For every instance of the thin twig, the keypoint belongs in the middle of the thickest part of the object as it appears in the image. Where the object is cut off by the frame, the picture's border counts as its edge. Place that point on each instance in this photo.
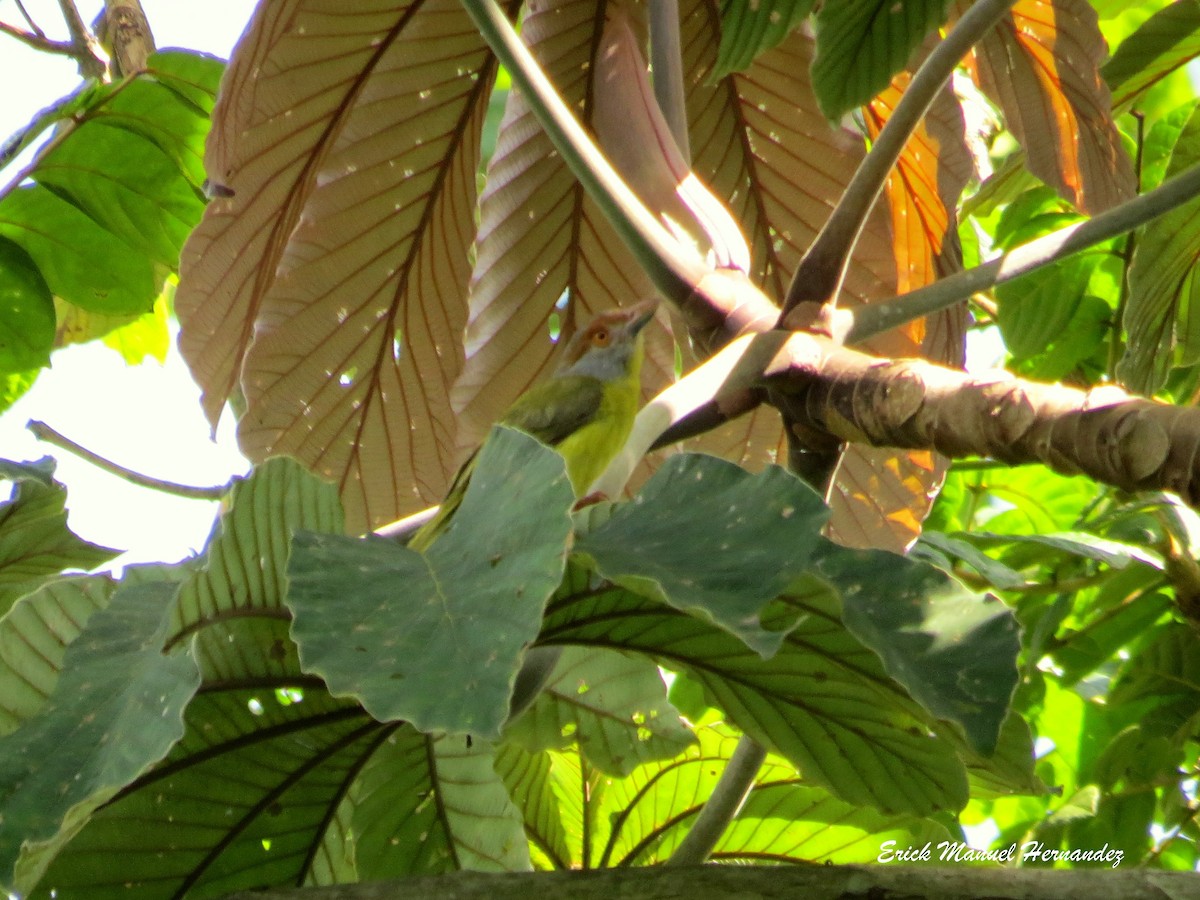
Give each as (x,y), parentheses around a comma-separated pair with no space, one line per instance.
(87,50)
(33,26)
(821,272)
(66,126)
(38,41)
(876,318)
(44,432)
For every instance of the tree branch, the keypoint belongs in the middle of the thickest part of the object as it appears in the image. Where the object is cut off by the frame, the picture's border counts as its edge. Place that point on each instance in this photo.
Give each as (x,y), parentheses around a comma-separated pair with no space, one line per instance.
(33,26)
(876,318)
(819,276)
(38,41)
(44,432)
(125,33)
(87,51)
(911,882)
(1107,434)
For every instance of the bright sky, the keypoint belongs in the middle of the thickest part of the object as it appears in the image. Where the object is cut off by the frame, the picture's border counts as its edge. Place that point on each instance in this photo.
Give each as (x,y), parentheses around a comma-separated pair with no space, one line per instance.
(144,417)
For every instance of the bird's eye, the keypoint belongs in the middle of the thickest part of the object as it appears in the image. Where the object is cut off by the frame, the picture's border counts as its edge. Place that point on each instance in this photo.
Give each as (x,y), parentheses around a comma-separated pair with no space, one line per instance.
(601,337)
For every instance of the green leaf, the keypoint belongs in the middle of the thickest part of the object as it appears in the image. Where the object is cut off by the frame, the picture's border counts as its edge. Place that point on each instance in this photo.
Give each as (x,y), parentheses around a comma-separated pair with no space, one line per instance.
(81,262)
(437,638)
(823,701)
(1009,769)
(706,535)
(242,801)
(149,335)
(954,651)
(78,103)
(1081,544)
(427,805)
(612,704)
(752,27)
(234,605)
(1167,40)
(126,185)
(1163,313)
(861,44)
(35,541)
(14,385)
(641,819)
(26,312)
(1166,671)
(118,190)
(959,547)
(531,785)
(116,711)
(1160,140)
(34,636)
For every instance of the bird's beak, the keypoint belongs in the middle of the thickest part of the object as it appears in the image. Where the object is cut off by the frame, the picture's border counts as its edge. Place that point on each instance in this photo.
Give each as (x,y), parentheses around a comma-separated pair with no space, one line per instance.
(640,315)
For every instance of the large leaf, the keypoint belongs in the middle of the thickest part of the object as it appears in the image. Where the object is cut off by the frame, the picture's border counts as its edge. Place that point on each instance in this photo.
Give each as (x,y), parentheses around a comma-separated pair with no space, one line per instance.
(235,601)
(640,819)
(282,783)
(861,45)
(1163,312)
(751,27)
(35,541)
(80,261)
(1041,66)
(242,801)
(612,704)
(547,260)
(437,638)
(823,701)
(342,250)
(664,544)
(425,805)
(117,709)
(954,651)
(34,635)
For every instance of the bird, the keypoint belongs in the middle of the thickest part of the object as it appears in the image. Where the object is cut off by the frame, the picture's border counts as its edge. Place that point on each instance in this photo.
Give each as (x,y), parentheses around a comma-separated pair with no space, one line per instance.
(584,410)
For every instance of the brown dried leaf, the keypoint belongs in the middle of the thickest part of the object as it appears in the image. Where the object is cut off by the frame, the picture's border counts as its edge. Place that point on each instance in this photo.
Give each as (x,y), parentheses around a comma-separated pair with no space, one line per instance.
(541,240)
(345,242)
(879,496)
(1041,65)
(270,129)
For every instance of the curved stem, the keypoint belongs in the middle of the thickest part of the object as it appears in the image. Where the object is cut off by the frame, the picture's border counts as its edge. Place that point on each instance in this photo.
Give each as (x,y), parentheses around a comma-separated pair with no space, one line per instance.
(44,432)
(722,805)
(666,62)
(820,273)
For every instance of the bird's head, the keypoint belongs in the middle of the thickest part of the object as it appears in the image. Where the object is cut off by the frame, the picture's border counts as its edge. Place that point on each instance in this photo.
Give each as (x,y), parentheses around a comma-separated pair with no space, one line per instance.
(610,347)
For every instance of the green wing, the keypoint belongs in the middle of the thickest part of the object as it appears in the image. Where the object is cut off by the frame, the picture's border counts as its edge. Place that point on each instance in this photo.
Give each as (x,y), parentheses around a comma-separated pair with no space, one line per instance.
(555,409)
(551,412)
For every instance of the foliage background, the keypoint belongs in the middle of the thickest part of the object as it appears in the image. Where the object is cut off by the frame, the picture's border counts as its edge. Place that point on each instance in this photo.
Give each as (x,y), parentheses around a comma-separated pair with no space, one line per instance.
(1103,585)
